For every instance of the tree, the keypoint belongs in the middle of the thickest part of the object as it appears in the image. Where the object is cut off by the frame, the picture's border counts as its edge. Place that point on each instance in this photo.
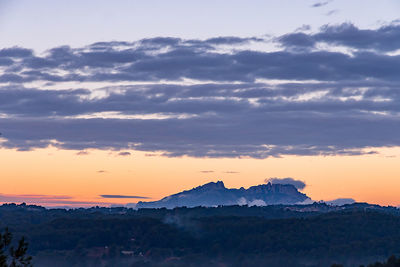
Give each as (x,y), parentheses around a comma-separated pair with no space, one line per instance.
(13,257)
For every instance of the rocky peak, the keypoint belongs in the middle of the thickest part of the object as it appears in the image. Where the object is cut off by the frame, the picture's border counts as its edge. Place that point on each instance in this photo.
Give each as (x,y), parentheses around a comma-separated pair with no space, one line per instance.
(212,186)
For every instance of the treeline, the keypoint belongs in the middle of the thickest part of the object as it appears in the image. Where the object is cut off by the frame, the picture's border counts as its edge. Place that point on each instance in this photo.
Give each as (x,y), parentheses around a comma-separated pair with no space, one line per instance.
(391,262)
(198,237)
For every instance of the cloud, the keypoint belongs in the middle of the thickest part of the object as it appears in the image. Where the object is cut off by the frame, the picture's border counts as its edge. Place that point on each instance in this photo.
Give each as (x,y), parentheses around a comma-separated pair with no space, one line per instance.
(22,197)
(208,98)
(296,134)
(340,201)
(308,201)
(82,153)
(60,201)
(384,39)
(232,40)
(16,52)
(176,59)
(101,171)
(332,12)
(124,153)
(304,27)
(47,200)
(320,4)
(256,202)
(206,171)
(292,134)
(231,172)
(296,183)
(123,196)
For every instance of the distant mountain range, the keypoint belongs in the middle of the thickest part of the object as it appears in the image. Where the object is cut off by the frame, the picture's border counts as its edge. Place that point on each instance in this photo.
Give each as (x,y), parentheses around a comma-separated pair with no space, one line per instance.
(216,194)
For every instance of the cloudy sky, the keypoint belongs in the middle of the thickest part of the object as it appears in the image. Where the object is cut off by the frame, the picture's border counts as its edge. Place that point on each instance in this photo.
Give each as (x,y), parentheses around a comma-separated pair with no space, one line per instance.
(106,102)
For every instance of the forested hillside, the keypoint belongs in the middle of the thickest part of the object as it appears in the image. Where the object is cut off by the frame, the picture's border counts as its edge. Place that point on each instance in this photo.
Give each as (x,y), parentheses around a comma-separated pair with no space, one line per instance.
(313,235)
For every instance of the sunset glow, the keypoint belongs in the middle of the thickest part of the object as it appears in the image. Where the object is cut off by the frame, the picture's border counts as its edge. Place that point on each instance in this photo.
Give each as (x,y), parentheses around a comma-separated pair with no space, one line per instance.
(83,178)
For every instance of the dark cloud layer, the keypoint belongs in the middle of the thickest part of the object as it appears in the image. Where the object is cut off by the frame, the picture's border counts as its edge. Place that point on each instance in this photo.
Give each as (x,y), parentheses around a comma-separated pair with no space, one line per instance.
(176,59)
(327,103)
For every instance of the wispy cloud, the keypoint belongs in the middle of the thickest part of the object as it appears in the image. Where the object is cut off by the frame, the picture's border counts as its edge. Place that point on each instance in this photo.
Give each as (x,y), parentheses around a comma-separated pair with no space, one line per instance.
(123,196)
(332,12)
(124,154)
(34,196)
(38,199)
(82,153)
(52,200)
(320,4)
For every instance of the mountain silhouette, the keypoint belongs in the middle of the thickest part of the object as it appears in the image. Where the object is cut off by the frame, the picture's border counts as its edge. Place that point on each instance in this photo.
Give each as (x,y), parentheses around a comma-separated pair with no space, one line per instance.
(216,194)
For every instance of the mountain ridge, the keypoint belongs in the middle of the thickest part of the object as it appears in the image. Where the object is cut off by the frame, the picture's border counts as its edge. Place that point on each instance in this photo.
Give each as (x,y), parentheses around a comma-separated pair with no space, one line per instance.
(216,194)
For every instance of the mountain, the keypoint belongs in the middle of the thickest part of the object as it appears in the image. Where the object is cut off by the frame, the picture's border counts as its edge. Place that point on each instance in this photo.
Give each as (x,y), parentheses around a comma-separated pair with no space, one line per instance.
(216,194)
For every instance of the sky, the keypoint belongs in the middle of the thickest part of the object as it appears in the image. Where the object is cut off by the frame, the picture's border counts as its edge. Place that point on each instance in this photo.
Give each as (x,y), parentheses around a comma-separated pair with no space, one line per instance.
(109,103)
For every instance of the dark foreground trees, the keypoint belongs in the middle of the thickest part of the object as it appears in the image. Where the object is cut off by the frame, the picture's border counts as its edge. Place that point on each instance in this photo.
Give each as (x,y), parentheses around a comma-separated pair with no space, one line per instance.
(391,262)
(11,256)
(235,236)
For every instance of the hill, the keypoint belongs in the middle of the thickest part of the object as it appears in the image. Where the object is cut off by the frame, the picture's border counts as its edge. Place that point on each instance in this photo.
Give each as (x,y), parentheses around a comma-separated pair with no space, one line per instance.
(216,194)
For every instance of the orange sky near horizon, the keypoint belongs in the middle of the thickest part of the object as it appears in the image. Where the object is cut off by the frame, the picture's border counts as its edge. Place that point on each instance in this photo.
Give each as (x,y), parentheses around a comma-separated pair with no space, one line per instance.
(367,178)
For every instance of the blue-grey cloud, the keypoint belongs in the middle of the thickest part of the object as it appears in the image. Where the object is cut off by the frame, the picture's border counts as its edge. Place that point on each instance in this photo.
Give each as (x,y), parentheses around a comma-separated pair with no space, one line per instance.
(296,183)
(347,125)
(232,40)
(175,59)
(384,39)
(202,99)
(234,136)
(16,52)
(351,104)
